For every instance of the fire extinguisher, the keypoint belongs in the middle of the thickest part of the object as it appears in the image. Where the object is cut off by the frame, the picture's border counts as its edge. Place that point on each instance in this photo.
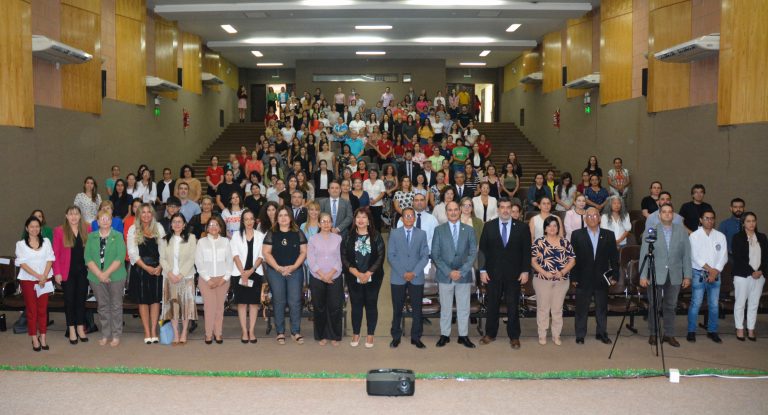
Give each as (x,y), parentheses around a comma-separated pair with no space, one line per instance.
(185,118)
(556,119)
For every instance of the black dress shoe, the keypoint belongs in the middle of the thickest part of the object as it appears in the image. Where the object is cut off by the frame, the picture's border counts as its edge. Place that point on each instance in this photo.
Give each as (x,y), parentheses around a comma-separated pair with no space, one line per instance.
(464,340)
(72,341)
(671,340)
(219,341)
(752,339)
(443,341)
(604,338)
(579,340)
(714,337)
(82,339)
(418,344)
(691,337)
(394,343)
(209,341)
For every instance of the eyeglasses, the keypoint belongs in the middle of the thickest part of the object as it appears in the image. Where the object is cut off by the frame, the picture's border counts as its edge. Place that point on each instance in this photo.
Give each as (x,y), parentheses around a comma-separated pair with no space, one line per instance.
(592,216)
(408,216)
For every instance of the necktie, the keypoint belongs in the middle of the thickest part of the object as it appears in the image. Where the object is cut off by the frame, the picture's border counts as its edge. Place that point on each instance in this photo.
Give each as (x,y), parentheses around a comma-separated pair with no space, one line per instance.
(582,220)
(504,236)
(409,169)
(418,220)
(333,211)
(461,191)
(408,236)
(455,233)
(296,214)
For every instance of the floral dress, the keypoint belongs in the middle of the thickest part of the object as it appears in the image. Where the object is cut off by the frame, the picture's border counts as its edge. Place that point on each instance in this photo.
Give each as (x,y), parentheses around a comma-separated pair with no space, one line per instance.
(550,257)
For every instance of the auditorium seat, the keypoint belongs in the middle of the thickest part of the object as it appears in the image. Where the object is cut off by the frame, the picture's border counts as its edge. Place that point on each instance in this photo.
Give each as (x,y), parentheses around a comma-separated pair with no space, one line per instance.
(638,228)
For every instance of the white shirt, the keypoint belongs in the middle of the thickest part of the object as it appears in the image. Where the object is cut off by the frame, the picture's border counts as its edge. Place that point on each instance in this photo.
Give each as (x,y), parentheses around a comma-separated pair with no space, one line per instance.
(249,192)
(374,190)
(472,136)
(213,258)
(288,134)
(709,249)
(371,125)
(239,246)
(618,227)
(437,127)
(35,259)
(357,125)
(166,191)
(323,180)
(147,193)
(439,100)
(133,248)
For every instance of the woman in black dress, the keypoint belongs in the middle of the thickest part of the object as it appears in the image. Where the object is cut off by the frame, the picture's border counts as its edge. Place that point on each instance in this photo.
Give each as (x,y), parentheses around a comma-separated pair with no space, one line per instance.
(247,274)
(362,258)
(146,284)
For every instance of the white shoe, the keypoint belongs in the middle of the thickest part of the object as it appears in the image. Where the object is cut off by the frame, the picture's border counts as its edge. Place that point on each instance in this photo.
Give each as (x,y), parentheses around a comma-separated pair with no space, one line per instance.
(147,340)
(368,345)
(355,343)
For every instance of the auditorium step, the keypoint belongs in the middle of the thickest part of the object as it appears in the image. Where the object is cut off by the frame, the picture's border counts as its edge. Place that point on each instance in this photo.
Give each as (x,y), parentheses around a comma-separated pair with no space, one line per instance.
(505,137)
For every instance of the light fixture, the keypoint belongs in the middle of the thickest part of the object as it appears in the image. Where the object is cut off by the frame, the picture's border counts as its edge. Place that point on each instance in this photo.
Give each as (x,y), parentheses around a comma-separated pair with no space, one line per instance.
(228,28)
(370,52)
(472,63)
(439,39)
(269,64)
(440,3)
(485,53)
(257,54)
(373,27)
(335,40)
(513,27)
(326,3)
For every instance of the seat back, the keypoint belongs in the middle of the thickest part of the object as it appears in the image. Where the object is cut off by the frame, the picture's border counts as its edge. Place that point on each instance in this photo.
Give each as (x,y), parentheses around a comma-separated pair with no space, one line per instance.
(638,228)
(635,215)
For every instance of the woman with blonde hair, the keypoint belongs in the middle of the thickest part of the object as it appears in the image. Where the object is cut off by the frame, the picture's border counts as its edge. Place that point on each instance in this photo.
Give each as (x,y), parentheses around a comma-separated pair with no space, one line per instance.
(145,286)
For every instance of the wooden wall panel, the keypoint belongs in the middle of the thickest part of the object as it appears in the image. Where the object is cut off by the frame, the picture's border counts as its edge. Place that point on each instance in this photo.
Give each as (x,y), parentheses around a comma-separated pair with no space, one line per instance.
(166,46)
(212,63)
(743,77)
(657,4)
(192,62)
(613,8)
(616,59)
(668,83)
(134,9)
(81,83)
(17,100)
(130,60)
(551,63)
(579,52)
(93,6)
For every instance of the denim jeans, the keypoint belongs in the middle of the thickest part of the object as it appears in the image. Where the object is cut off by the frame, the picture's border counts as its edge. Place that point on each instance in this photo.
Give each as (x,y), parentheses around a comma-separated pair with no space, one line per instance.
(698,286)
(286,290)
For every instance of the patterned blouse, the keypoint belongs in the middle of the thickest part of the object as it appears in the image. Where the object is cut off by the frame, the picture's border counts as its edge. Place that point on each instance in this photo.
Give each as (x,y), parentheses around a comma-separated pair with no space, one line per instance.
(552,258)
(88,207)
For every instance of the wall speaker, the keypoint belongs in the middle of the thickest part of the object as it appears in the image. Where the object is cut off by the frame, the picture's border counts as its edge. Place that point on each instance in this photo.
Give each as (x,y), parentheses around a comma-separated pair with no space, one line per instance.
(565,75)
(390,382)
(179,76)
(645,82)
(103,83)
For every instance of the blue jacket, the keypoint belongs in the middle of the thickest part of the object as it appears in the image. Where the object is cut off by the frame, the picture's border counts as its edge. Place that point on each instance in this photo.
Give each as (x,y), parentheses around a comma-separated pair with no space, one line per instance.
(407,258)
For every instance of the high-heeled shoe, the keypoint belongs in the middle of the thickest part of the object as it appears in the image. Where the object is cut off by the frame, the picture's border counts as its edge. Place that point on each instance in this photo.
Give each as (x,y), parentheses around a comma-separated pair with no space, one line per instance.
(208,341)
(83,339)
(73,341)
(220,340)
(43,346)
(38,348)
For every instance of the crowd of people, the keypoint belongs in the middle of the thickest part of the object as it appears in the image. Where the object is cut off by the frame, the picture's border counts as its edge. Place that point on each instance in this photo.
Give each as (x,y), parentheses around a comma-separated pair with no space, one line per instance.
(311,202)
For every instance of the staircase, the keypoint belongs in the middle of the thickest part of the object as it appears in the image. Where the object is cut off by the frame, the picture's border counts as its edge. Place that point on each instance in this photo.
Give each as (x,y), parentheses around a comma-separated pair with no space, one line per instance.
(504,136)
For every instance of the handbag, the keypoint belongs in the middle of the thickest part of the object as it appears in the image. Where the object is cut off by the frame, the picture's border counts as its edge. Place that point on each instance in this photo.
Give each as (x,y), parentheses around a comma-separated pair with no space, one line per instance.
(166,332)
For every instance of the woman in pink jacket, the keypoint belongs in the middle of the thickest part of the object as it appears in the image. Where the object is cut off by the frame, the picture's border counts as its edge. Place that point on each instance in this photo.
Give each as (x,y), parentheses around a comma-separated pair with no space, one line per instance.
(70,271)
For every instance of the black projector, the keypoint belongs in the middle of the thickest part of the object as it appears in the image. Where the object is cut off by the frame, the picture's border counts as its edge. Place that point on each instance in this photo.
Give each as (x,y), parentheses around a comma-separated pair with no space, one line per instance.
(390,382)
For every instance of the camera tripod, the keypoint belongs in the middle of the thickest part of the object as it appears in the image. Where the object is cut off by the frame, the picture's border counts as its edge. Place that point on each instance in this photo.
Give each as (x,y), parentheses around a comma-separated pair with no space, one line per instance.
(655,304)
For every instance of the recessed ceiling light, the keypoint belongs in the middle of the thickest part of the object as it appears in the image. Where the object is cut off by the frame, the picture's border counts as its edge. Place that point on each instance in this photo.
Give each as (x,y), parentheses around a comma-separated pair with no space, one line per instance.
(513,27)
(269,64)
(228,28)
(485,53)
(373,27)
(439,3)
(472,63)
(257,54)
(326,3)
(370,52)
(337,40)
(438,39)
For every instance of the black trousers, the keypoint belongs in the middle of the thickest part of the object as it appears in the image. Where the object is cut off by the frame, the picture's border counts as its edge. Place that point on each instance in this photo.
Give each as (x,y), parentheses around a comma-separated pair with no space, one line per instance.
(364,296)
(327,303)
(509,288)
(75,294)
(376,212)
(416,292)
(583,299)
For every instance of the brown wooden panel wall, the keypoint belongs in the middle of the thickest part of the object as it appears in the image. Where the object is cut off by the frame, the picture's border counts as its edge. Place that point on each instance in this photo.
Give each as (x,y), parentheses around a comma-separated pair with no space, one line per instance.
(81,83)
(93,6)
(191,50)
(668,83)
(134,9)
(17,100)
(130,60)
(616,57)
(166,46)
(657,4)
(212,63)
(579,51)
(551,62)
(614,8)
(743,71)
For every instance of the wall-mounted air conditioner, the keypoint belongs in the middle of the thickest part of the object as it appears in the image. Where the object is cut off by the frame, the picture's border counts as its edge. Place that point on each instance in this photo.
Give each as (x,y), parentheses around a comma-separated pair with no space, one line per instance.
(211,79)
(51,50)
(158,84)
(585,82)
(532,78)
(699,48)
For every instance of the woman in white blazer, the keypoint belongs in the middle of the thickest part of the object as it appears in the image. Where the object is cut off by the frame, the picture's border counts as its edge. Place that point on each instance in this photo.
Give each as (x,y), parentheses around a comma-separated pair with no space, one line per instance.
(177,258)
(485,205)
(248,273)
(213,259)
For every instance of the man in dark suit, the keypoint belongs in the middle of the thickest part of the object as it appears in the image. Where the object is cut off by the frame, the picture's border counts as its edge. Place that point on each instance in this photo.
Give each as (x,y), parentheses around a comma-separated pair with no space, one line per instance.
(408,255)
(597,258)
(297,207)
(505,258)
(429,174)
(462,190)
(408,168)
(339,209)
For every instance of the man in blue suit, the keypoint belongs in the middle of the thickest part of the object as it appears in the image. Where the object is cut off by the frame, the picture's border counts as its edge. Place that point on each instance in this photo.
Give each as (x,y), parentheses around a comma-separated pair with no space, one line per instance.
(408,255)
(454,249)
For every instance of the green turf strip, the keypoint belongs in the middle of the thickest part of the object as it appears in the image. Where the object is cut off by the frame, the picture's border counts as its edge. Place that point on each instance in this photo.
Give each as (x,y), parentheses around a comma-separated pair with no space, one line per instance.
(572,374)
